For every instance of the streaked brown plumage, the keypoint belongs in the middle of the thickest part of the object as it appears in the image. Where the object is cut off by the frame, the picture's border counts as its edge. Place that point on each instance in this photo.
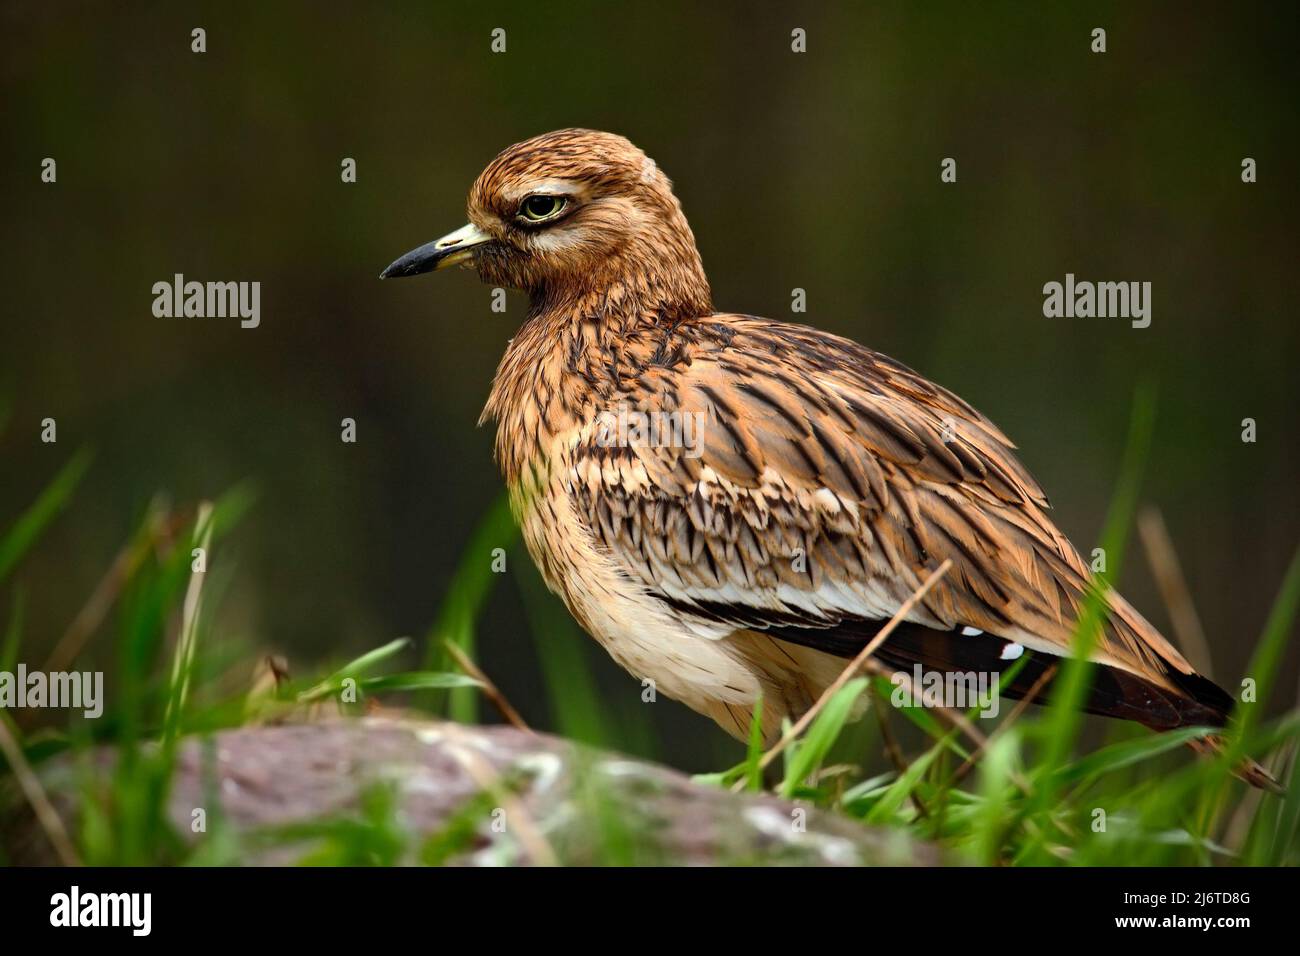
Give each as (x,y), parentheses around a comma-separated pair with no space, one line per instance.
(826,483)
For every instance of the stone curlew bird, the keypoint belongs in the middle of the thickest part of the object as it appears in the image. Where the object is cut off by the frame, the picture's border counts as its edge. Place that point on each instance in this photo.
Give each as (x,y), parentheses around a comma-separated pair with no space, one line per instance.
(732,506)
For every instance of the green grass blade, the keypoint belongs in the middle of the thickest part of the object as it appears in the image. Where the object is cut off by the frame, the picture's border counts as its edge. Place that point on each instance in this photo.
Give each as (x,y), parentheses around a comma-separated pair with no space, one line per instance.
(754,752)
(370,660)
(468,590)
(13,634)
(821,736)
(355,669)
(891,801)
(575,703)
(1065,716)
(418,680)
(1267,659)
(1280,849)
(32,522)
(1124,754)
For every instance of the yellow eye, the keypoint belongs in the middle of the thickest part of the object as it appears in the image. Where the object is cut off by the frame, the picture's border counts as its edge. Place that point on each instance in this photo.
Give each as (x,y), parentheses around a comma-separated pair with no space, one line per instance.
(540,208)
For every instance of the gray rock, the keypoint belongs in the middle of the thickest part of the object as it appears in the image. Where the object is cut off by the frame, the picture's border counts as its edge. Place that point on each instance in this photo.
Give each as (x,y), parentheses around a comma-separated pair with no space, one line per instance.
(396,790)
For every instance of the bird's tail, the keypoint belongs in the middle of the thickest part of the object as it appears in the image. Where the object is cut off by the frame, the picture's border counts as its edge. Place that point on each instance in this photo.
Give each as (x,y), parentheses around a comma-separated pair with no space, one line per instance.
(1184,700)
(1159,702)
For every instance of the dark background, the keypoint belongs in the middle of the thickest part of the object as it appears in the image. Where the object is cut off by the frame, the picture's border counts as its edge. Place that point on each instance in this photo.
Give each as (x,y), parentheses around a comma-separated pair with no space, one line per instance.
(816,170)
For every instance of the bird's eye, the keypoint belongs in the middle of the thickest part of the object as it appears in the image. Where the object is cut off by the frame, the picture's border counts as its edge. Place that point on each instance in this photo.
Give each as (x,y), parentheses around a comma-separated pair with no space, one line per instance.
(540,208)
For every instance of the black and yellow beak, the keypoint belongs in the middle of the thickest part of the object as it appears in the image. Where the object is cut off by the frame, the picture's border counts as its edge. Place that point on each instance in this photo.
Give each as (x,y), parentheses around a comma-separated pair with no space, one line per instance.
(452,249)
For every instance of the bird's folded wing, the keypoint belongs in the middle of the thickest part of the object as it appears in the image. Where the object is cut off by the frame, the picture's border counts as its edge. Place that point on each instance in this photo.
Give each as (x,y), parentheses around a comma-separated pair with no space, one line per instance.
(784,476)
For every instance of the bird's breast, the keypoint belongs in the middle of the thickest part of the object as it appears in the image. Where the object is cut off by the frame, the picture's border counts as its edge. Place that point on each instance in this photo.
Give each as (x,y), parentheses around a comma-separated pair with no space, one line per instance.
(681,659)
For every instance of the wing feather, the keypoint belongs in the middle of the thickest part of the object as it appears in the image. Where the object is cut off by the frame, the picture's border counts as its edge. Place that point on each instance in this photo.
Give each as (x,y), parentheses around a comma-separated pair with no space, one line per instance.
(824,482)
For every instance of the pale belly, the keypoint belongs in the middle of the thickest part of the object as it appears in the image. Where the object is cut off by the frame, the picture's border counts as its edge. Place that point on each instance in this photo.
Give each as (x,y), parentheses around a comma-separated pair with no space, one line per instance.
(712,669)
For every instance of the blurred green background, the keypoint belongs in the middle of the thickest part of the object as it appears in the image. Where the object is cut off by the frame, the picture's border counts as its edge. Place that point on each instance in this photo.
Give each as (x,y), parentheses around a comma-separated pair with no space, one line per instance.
(817,170)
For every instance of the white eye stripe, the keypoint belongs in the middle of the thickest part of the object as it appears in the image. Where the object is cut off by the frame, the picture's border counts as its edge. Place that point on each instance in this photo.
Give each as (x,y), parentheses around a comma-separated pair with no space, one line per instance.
(542,187)
(971,632)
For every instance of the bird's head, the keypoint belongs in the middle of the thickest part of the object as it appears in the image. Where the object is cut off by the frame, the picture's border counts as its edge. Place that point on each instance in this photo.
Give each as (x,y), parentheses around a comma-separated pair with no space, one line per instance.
(572,213)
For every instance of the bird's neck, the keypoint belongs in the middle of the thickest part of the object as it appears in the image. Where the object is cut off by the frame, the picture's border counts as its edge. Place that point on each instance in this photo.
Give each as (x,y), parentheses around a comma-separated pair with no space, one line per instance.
(577,345)
(657,278)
